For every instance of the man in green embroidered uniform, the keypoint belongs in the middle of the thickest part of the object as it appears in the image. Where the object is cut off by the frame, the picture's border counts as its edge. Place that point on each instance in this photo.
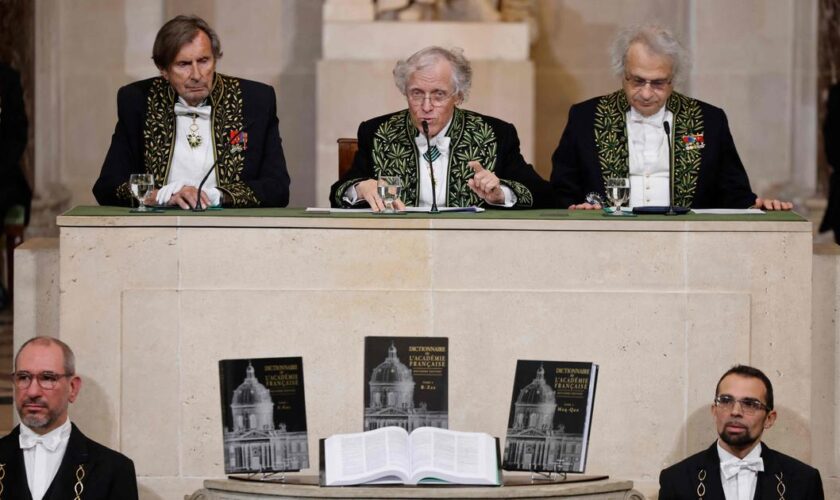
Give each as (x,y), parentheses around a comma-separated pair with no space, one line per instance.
(191,118)
(627,134)
(473,159)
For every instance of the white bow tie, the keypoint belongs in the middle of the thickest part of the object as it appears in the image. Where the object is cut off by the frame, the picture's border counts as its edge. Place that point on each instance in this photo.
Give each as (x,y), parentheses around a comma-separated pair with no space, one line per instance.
(49,442)
(731,467)
(441,142)
(653,122)
(182,109)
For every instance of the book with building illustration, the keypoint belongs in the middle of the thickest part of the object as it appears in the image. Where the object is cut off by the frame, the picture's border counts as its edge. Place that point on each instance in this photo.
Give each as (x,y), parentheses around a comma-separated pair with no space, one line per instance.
(406,382)
(428,455)
(550,416)
(263,415)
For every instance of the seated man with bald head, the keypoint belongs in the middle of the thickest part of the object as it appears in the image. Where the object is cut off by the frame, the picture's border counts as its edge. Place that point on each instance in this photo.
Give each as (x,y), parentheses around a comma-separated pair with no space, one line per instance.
(626,134)
(47,456)
(474,159)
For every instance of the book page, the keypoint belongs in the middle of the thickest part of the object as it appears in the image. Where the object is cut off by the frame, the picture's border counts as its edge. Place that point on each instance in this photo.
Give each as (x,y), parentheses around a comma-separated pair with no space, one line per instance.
(327,210)
(728,211)
(457,457)
(363,457)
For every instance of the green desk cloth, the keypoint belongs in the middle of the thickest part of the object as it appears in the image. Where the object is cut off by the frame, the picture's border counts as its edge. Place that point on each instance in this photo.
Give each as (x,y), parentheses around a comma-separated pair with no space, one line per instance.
(545,214)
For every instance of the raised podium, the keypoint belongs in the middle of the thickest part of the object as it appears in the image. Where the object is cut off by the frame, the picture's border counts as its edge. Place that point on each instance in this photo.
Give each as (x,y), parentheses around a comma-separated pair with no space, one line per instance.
(664,305)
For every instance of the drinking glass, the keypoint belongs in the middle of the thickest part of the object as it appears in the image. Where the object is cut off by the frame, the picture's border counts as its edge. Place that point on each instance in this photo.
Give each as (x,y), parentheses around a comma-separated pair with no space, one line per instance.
(141,185)
(618,192)
(389,188)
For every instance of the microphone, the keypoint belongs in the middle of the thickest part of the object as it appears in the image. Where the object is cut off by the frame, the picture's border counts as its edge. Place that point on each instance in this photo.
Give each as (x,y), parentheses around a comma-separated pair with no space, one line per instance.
(425,126)
(198,206)
(671,208)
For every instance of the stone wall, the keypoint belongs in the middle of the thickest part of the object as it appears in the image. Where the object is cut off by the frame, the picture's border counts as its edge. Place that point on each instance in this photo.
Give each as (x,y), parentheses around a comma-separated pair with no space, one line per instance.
(755,58)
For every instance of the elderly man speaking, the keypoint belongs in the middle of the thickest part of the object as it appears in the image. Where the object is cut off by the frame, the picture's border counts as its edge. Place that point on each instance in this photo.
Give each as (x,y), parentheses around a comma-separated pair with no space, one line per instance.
(627,134)
(473,159)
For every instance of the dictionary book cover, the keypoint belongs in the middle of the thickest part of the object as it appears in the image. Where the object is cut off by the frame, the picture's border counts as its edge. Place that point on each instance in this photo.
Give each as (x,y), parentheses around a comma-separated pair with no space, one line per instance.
(263,415)
(550,416)
(406,382)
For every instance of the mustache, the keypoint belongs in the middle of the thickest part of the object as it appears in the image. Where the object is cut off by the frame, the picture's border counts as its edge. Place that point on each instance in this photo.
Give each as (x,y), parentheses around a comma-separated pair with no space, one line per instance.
(736,423)
(37,400)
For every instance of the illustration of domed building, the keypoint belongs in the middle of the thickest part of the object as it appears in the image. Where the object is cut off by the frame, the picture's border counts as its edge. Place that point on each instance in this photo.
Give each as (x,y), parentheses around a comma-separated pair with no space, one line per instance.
(391,389)
(533,443)
(255,444)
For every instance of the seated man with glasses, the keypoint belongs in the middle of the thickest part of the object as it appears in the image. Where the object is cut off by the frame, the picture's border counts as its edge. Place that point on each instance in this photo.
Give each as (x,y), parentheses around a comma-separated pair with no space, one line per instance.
(624,135)
(738,466)
(46,456)
(473,159)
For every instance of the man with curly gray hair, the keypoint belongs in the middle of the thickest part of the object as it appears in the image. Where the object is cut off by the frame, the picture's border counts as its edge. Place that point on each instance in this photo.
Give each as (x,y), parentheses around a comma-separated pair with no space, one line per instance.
(443,155)
(627,134)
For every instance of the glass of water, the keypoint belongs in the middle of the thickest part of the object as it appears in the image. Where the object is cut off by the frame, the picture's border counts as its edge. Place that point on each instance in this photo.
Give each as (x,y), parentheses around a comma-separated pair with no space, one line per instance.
(389,188)
(618,192)
(141,185)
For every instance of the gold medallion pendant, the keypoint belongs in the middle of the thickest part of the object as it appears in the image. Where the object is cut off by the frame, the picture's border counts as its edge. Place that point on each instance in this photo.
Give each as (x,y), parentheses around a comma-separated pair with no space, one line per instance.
(193,137)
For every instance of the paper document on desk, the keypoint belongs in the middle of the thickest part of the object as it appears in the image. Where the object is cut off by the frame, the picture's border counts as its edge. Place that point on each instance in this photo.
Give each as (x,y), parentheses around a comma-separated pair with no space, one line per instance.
(727,211)
(422,210)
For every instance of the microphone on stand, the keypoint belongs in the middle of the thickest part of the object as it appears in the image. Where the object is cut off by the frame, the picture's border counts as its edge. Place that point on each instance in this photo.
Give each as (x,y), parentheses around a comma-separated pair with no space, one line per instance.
(672,210)
(198,205)
(425,126)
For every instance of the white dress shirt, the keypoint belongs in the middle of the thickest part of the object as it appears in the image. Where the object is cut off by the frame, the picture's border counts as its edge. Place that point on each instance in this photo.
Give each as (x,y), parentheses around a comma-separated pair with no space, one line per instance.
(649,158)
(740,476)
(42,456)
(441,169)
(191,164)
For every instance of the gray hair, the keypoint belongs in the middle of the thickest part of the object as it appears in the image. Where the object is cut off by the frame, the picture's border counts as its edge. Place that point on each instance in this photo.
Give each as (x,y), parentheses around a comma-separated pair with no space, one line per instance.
(659,40)
(69,357)
(422,59)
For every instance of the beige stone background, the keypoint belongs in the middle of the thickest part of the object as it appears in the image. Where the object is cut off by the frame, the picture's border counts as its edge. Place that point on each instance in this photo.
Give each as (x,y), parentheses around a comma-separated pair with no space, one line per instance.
(754,58)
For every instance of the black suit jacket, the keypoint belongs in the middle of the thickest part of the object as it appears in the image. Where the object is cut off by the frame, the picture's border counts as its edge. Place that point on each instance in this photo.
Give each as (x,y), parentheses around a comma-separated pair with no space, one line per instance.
(721,181)
(831,140)
(492,142)
(264,172)
(107,473)
(681,480)
(14,190)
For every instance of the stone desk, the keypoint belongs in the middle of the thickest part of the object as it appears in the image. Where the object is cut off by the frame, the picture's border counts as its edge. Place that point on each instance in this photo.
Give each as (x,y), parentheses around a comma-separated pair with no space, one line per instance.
(150,303)
(604,489)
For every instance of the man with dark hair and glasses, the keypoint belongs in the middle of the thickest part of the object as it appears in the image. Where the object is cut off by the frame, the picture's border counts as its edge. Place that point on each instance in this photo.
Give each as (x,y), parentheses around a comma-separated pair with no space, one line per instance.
(623,135)
(473,159)
(738,466)
(46,456)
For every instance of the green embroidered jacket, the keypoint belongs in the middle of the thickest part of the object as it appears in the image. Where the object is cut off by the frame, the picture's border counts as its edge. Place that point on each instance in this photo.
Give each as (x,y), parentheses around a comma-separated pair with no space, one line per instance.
(387,147)
(708,172)
(251,167)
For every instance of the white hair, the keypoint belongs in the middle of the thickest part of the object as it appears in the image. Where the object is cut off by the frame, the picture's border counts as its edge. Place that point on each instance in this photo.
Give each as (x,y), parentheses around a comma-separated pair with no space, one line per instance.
(657,39)
(424,58)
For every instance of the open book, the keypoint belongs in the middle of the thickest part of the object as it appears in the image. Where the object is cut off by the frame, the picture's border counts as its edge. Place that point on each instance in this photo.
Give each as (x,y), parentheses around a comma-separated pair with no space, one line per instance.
(391,455)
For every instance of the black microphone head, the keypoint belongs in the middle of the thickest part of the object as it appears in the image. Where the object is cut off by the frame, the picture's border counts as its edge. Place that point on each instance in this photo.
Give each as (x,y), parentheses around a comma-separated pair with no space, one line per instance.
(425,126)
(667,127)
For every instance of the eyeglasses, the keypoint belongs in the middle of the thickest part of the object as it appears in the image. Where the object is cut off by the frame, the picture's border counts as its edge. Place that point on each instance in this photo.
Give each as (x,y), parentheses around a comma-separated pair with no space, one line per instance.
(47,380)
(748,406)
(437,97)
(639,83)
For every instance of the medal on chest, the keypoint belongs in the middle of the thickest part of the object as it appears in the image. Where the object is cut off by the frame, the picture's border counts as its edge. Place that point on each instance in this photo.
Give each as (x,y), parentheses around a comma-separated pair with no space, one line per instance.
(193,137)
